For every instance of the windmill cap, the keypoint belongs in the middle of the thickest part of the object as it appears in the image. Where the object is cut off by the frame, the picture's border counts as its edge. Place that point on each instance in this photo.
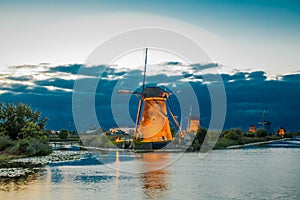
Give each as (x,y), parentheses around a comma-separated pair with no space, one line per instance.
(193,117)
(154,92)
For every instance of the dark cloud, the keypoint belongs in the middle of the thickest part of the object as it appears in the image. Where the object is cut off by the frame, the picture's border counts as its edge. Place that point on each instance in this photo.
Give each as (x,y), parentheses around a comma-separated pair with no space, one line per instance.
(20,78)
(291,77)
(257,76)
(248,95)
(24,66)
(56,82)
(80,69)
(171,63)
(199,67)
(38,90)
(15,88)
(72,69)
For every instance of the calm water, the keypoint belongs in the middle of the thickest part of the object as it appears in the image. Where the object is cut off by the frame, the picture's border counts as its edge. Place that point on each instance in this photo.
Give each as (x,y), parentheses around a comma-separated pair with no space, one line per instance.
(261,173)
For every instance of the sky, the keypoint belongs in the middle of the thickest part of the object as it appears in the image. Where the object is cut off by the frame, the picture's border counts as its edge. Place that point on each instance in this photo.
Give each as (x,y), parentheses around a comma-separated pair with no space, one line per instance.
(249,95)
(237,34)
(253,44)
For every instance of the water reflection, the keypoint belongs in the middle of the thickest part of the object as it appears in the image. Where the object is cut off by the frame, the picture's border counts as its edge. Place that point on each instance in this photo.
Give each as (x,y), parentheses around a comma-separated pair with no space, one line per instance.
(87,179)
(155,183)
(236,174)
(56,175)
(20,183)
(117,168)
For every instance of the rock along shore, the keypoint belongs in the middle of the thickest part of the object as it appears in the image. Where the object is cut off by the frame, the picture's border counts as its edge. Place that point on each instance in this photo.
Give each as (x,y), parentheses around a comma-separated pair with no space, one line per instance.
(25,166)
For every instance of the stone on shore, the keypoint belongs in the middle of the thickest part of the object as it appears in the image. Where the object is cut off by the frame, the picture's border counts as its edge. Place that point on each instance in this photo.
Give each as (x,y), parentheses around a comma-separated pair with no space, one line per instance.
(25,166)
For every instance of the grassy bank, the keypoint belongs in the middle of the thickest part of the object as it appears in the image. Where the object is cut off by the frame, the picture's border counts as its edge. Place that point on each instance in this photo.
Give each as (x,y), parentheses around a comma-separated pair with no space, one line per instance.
(225,142)
(68,139)
(10,149)
(233,137)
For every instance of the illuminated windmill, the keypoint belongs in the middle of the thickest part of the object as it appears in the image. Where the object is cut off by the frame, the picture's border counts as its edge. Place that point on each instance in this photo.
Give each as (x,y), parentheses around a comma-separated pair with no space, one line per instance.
(152,123)
(252,129)
(281,131)
(193,123)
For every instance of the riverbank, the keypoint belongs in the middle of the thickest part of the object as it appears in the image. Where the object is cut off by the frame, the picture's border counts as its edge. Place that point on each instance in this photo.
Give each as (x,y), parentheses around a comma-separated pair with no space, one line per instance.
(258,143)
(19,167)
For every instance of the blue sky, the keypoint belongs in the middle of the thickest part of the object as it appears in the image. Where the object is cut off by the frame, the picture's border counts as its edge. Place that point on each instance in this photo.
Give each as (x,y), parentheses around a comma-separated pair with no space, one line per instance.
(245,34)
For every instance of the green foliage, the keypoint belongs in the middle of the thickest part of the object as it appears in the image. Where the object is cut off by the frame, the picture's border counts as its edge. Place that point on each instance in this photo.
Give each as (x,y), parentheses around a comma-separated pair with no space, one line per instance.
(292,134)
(249,140)
(63,134)
(233,134)
(22,130)
(261,132)
(231,137)
(223,143)
(18,121)
(5,142)
(273,137)
(249,134)
(31,130)
(100,141)
(33,147)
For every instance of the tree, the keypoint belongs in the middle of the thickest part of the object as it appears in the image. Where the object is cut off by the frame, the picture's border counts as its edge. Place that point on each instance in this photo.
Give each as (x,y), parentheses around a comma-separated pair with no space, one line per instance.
(20,121)
(261,132)
(31,130)
(63,134)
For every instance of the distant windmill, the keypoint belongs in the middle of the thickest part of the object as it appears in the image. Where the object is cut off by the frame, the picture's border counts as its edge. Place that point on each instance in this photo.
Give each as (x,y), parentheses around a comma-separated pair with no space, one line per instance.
(194,123)
(152,123)
(266,124)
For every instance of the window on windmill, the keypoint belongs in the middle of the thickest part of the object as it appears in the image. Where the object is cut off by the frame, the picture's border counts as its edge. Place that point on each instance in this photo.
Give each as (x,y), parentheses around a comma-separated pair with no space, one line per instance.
(153,119)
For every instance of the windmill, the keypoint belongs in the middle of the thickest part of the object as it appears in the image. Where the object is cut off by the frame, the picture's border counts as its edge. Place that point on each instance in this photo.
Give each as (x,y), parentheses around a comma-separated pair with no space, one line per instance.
(194,123)
(266,124)
(152,123)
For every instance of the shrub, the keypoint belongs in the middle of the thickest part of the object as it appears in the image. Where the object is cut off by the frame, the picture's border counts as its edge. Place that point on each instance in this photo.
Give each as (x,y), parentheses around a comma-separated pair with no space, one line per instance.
(63,134)
(249,134)
(233,134)
(34,147)
(5,142)
(223,143)
(261,132)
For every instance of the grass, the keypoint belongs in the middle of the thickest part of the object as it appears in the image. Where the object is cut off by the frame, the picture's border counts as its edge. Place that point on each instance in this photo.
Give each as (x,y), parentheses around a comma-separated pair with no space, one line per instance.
(24,148)
(225,142)
(4,157)
(69,139)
